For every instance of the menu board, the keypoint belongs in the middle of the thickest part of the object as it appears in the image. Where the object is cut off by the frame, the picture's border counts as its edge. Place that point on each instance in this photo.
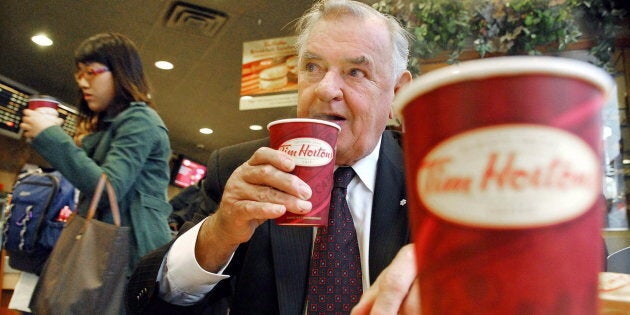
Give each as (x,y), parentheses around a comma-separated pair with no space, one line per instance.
(14,99)
(70,117)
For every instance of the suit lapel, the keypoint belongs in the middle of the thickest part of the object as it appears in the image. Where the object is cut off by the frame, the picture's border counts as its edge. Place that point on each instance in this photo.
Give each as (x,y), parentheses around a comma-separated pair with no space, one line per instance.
(291,249)
(389,225)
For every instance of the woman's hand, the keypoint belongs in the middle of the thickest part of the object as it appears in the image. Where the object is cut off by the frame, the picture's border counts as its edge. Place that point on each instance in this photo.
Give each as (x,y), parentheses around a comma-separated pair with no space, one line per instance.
(34,122)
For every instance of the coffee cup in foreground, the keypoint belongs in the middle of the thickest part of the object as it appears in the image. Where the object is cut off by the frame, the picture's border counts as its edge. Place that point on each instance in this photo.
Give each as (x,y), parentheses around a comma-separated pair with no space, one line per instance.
(503,162)
(311,143)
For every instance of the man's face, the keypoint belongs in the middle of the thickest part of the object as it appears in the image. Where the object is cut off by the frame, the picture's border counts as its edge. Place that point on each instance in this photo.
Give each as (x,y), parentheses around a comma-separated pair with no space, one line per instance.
(345,76)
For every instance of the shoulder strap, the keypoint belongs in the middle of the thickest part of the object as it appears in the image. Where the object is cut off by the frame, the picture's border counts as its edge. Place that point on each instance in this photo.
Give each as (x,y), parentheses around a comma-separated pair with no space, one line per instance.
(113,203)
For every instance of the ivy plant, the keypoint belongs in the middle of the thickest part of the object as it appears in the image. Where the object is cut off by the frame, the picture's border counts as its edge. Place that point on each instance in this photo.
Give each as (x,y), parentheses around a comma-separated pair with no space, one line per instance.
(505,27)
(522,27)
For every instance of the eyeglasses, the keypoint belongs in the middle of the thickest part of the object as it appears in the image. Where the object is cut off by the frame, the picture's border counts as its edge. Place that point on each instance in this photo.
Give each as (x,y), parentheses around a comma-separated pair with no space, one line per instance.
(89,73)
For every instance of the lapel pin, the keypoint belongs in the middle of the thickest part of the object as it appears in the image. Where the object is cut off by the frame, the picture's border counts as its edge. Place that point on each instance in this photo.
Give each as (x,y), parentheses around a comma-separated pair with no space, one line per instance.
(403,202)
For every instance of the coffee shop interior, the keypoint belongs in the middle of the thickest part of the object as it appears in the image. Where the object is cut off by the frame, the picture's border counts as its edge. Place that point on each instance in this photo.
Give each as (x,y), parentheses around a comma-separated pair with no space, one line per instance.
(205,96)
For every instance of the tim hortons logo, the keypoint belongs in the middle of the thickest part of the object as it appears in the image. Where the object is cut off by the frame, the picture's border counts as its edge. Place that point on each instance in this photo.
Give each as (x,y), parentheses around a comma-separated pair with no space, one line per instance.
(510,176)
(308,151)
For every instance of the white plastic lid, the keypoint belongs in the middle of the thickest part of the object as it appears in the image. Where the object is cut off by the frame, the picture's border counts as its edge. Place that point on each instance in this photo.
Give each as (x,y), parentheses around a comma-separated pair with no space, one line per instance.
(311,120)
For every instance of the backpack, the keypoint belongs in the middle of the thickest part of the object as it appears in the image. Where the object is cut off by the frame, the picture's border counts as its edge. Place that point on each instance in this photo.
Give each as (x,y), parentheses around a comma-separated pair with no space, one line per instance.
(40,204)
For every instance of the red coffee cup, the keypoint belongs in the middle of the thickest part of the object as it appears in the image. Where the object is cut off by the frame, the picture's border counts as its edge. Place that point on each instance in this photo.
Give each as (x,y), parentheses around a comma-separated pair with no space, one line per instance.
(503,162)
(311,143)
(44,103)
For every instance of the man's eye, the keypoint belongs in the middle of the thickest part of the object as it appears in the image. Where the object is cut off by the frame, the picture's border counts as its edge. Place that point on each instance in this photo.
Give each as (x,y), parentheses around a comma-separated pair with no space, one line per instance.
(356,73)
(311,67)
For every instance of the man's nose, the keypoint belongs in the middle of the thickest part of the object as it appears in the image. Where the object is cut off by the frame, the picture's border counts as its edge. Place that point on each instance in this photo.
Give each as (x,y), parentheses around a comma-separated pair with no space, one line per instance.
(329,88)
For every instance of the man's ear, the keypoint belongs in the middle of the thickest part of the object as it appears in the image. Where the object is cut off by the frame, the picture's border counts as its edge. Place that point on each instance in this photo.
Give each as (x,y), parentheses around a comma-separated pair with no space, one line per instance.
(405,78)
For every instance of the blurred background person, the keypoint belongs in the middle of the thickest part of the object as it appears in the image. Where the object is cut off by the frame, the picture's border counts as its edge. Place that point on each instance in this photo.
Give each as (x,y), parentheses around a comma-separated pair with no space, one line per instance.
(184,205)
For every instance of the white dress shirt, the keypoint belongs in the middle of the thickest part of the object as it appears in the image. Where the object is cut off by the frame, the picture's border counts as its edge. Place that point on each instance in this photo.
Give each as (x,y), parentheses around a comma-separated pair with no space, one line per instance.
(184,282)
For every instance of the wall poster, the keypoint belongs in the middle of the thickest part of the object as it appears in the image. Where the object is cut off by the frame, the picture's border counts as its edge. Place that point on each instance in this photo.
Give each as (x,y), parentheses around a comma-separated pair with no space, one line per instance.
(269,74)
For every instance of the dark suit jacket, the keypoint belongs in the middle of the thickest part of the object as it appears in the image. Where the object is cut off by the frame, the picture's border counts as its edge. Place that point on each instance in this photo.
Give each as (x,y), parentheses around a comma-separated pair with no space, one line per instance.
(269,273)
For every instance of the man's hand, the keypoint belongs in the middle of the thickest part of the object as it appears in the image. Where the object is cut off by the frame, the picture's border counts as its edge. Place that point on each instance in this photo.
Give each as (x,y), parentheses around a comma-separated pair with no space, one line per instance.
(260,189)
(396,290)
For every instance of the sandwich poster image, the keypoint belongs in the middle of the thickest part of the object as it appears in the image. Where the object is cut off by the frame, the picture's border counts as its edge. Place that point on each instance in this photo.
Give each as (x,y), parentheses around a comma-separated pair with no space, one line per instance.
(268,73)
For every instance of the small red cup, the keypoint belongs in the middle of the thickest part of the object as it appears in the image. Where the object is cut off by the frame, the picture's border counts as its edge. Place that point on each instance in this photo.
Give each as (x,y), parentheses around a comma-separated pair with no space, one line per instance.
(311,143)
(503,162)
(44,103)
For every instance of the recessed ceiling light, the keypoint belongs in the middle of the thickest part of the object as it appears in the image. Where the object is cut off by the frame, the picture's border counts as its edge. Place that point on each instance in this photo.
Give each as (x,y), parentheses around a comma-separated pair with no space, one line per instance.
(42,40)
(255,127)
(164,65)
(206,131)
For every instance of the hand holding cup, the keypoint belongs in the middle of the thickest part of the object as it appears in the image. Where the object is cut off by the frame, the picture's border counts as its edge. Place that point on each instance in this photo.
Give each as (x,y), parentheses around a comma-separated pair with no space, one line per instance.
(311,143)
(40,114)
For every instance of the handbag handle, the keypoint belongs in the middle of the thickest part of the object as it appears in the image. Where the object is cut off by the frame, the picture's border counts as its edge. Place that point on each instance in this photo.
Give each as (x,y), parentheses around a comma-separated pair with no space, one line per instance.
(113,203)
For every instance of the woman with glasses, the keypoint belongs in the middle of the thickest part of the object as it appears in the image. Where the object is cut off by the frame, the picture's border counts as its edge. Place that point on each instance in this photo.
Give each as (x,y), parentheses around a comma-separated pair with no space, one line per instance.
(120,135)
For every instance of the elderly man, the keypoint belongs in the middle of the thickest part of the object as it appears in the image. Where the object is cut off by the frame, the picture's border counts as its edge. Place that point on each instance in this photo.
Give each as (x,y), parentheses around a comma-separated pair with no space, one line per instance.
(352,61)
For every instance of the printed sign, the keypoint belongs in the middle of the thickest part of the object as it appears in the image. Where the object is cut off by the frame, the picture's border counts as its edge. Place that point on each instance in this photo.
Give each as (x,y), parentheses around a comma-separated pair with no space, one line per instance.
(269,67)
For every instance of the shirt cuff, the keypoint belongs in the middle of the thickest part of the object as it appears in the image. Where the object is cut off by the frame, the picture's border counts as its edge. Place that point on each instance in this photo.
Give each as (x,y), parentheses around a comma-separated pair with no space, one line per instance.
(182,280)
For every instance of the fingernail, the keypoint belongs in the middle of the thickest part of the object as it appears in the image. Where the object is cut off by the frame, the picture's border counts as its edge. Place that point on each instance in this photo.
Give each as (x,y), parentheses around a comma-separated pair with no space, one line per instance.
(305,191)
(304,205)
(289,163)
